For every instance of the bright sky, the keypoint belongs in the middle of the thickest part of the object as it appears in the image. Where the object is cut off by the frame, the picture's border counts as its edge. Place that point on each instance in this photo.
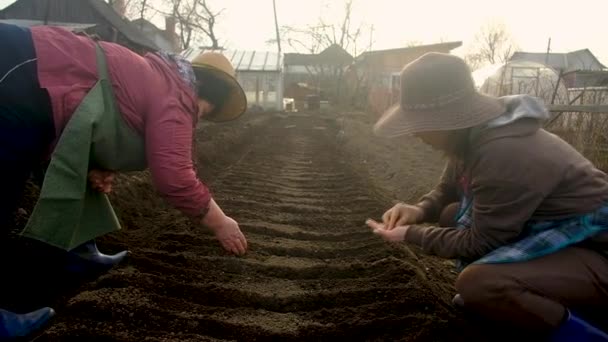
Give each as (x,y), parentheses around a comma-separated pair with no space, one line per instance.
(248,24)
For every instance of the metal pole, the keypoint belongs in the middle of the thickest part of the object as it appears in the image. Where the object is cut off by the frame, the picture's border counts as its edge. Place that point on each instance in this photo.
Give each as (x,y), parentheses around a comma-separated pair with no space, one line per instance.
(276,25)
(548,51)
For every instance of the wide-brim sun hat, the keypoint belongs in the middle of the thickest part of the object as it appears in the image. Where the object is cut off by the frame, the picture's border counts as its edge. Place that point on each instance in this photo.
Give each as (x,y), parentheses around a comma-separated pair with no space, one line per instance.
(236,102)
(437,94)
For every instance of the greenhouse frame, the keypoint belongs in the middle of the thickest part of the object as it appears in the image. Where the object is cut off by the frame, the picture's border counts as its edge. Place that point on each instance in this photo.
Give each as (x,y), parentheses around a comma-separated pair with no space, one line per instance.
(260,73)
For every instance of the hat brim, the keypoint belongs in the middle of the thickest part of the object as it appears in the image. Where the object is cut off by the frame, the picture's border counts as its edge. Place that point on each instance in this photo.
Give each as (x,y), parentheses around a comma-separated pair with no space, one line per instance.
(466,113)
(236,102)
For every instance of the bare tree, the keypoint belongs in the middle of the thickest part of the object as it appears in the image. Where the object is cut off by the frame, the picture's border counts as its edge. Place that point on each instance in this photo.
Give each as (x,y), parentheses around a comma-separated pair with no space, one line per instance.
(142,11)
(325,33)
(196,20)
(493,44)
(342,32)
(133,9)
(412,43)
(137,9)
(195,16)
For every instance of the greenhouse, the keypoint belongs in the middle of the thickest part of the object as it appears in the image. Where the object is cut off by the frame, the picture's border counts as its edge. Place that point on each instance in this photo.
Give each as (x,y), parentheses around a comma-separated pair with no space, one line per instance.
(522,77)
(260,73)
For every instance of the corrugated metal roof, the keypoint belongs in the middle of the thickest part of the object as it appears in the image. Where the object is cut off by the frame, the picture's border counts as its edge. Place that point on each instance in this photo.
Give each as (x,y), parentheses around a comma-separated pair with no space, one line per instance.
(243,60)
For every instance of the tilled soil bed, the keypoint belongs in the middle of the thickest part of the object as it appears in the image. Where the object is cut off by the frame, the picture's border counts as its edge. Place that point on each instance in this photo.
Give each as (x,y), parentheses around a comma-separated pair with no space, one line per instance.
(313,272)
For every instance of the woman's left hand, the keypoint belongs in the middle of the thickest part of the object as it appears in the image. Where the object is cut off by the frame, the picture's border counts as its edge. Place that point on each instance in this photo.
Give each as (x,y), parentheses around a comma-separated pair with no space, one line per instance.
(101,180)
(396,234)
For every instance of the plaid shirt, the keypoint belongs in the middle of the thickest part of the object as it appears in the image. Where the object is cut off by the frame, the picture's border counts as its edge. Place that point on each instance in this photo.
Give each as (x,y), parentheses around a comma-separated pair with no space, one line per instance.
(184,67)
(540,237)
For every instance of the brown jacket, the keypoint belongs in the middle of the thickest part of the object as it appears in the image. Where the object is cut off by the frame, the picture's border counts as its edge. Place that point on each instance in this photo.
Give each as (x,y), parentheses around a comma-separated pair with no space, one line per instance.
(518,172)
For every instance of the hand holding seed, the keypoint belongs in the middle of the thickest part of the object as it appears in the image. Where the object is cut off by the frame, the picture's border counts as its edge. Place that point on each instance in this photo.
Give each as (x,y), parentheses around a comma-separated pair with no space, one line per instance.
(101,180)
(396,234)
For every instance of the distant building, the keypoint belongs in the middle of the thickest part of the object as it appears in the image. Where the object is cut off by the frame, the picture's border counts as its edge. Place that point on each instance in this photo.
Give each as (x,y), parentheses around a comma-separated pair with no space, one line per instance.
(374,76)
(95,17)
(319,74)
(260,73)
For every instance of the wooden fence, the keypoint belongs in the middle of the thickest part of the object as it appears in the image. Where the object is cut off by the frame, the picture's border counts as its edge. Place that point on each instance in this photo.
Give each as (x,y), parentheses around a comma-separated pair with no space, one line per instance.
(585,127)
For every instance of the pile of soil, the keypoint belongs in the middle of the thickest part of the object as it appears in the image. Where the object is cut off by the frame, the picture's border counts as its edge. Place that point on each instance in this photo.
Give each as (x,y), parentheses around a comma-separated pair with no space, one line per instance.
(301,187)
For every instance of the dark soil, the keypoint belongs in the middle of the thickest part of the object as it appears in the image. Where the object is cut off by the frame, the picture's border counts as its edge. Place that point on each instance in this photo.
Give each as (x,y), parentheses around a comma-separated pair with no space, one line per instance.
(314,271)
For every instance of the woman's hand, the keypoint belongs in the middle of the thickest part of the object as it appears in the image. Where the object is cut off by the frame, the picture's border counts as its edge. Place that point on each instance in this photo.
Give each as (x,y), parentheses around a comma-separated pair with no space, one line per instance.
(230,236)
(226,230)
(396,234)
(101,180)
(402,214)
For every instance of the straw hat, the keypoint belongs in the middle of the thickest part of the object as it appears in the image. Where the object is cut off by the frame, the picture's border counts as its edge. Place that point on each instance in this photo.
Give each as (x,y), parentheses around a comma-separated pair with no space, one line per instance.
(236,103)
(437,94)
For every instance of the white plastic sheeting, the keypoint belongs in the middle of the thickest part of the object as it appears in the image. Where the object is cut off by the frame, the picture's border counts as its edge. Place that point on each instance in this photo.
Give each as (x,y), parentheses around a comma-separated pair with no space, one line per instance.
(521,77)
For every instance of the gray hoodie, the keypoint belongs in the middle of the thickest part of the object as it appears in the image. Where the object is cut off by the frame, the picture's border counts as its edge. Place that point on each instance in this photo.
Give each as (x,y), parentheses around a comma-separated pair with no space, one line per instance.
(518,107)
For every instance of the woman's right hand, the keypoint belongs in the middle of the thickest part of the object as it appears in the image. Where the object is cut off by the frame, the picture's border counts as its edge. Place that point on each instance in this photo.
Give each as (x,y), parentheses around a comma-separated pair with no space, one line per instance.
(401,215)
(101,180)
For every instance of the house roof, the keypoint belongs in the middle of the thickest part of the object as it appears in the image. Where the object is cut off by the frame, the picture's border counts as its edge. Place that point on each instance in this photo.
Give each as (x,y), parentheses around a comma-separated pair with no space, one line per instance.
(141,22)
(332,55)
(590,79)
(335,54)
(121,24)
(161,38)
(101,8)
(30,23)
(570,61)
(300,58)
(444,46)
(244,60)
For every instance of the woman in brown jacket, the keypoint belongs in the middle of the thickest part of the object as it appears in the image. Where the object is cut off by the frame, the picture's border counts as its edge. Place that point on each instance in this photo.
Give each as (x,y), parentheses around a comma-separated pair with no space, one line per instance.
(529,213)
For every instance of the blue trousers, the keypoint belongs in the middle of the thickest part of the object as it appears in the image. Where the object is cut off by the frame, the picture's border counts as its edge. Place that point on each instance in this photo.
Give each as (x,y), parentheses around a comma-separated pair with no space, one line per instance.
(26,118)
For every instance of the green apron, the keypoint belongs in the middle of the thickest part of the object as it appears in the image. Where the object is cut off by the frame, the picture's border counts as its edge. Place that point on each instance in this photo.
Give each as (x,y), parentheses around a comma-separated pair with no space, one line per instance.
(69,212)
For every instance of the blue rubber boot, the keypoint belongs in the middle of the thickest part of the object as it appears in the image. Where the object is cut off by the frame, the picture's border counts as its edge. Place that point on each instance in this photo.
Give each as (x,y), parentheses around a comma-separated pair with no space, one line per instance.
(14,325)
(575,329)
(457,301)
(87,259)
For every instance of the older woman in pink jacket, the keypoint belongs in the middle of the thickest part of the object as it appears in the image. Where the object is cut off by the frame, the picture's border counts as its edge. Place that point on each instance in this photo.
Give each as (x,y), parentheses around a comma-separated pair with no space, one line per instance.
(92,109)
